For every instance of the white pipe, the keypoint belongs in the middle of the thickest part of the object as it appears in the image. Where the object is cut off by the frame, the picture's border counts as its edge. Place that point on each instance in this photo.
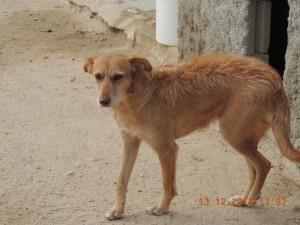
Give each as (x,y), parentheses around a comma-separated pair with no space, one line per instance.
(167,22)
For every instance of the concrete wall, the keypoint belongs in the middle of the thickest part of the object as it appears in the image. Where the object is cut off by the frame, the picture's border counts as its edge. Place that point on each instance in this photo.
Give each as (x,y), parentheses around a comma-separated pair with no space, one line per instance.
(211,25)
(238,26)
(292,75)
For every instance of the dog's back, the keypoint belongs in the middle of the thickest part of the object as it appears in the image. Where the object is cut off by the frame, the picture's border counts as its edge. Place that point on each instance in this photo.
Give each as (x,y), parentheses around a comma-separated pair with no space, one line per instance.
(196,92)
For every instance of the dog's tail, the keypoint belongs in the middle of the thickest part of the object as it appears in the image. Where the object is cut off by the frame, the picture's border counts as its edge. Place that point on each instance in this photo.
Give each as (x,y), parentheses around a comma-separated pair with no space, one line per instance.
(281,127)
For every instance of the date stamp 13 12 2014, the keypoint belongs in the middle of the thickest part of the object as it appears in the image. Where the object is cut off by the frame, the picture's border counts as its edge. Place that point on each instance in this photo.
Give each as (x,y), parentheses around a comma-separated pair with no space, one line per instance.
(220,201)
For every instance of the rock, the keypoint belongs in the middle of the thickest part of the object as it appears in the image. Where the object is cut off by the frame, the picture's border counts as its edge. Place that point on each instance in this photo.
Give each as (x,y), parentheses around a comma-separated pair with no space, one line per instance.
(70,173)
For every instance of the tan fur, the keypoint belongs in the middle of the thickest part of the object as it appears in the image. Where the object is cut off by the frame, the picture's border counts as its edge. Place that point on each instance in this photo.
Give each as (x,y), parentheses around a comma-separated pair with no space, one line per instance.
(160,105)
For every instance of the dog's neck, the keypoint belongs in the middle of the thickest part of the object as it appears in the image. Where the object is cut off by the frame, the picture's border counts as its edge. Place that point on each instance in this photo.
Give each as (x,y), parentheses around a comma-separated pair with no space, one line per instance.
(141,90)
(158,87)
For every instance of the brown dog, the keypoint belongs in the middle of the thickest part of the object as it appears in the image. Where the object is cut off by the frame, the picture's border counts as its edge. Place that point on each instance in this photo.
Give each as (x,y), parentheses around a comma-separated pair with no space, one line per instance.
(160,105)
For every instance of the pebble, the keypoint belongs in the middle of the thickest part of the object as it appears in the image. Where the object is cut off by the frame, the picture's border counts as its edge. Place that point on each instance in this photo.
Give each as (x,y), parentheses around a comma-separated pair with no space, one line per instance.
(70,173)
(77,166)
(297,208)
(92,159)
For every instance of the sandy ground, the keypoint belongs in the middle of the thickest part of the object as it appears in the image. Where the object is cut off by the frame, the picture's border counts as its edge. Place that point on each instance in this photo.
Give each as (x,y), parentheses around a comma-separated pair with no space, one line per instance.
(60,152)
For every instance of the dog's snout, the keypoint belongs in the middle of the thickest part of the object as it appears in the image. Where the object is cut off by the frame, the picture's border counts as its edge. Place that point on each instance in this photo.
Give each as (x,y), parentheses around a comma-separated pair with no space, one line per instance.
(105,101)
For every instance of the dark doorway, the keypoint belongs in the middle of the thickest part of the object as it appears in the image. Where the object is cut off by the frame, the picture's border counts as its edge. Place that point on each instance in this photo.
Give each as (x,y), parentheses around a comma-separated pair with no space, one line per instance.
(278,34)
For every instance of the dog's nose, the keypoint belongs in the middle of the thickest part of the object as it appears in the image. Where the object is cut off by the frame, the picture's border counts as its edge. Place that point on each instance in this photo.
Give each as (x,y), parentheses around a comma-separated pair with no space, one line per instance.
(105,102)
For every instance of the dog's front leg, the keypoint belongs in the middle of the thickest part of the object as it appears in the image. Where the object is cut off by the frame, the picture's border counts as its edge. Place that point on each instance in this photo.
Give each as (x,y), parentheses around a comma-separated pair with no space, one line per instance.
(167,154)
(130,150)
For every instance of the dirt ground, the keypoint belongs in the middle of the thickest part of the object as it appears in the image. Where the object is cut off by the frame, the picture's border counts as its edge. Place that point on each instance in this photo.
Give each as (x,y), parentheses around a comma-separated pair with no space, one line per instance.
(60,152)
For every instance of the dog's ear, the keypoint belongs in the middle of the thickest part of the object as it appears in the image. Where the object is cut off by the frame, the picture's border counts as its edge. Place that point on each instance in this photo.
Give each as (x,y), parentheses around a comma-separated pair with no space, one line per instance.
(88,65)
(140,63)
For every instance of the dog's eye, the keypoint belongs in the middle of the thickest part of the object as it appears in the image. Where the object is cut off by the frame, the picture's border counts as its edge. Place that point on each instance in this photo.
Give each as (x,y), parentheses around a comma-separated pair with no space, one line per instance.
(117,77)
(98,76)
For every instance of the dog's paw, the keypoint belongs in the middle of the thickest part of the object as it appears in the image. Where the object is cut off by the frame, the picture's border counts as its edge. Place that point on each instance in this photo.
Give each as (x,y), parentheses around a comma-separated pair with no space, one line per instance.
(157,211)
(114,214)
(236,200)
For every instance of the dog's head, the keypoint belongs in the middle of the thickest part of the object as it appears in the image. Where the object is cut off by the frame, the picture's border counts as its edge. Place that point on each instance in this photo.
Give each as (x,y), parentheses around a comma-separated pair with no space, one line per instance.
(114,75)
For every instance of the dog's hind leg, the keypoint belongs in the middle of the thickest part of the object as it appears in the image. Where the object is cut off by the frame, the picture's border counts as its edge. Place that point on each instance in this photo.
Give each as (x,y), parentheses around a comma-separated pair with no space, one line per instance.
(252,176)
(130,150)
(256,181)
(243,131)
(167,154)
(262,167)
(259,168)
(239,200)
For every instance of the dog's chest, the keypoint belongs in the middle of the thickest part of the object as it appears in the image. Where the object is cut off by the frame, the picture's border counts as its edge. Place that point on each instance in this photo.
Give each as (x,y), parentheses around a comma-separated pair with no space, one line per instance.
(131,131)
(128,123)
(143,124)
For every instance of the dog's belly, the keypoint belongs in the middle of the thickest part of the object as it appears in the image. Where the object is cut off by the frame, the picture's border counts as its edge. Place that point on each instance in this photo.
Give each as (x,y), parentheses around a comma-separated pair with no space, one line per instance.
(185,127)
(188,121)
(197,114)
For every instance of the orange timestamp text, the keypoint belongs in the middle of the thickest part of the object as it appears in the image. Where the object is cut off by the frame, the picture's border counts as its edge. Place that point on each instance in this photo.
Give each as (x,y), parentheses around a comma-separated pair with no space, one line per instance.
(221,201)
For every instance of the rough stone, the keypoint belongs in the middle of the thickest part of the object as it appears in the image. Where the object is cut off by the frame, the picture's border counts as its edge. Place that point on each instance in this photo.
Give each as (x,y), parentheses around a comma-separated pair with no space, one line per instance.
(119,15)
(213,25)
(292,73)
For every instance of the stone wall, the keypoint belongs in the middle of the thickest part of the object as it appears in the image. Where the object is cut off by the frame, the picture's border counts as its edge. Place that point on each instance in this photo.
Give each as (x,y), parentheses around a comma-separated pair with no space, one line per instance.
(291,76)
(238,26)
(211,25)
